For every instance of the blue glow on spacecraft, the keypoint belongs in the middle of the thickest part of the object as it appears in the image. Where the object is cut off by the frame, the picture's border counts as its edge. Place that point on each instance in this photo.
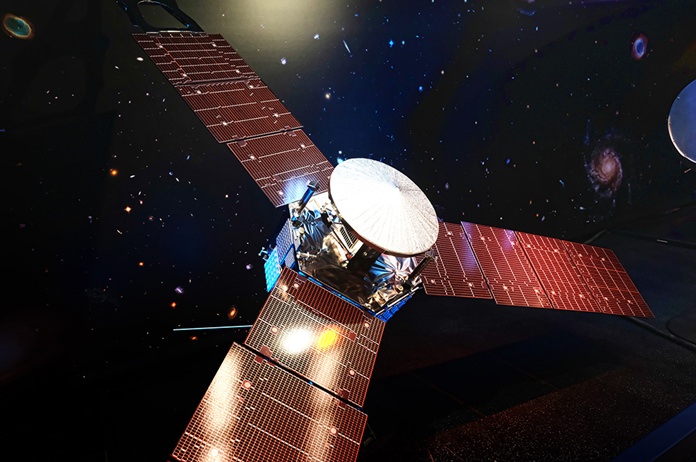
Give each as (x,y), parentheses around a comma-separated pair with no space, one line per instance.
(272,269)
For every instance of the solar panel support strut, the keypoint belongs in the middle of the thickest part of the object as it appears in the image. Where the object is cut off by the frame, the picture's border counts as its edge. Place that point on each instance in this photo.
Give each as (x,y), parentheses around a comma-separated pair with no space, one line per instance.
(170,6)
(427,258)
(311,189)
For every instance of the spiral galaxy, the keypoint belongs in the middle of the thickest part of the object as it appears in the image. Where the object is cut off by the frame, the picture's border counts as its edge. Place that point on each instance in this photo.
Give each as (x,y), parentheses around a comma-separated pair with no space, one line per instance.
(605,171)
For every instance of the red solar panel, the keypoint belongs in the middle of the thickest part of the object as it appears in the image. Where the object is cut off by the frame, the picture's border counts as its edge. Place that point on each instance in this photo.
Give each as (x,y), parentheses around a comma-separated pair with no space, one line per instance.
(191,57)
(255,411)
(561,280)
(607,279)
(505,266)
(236,106)
(234,110)
(282,164)
(454,271)
(322,337)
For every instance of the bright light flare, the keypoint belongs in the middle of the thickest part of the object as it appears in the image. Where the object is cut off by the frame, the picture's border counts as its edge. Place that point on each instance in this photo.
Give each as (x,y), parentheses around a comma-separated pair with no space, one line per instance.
(327,339)
(297,341)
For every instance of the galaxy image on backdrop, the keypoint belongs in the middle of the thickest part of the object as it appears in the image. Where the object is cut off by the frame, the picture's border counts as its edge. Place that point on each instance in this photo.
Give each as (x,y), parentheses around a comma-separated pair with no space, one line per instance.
(134,249)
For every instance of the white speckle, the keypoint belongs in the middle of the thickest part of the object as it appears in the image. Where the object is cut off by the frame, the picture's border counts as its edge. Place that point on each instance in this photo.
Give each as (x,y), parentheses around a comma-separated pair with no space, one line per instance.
(283,61)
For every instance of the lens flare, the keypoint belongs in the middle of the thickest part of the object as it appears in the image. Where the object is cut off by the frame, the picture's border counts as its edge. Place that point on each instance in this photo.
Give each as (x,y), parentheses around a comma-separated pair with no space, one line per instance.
(297,340)
(327,339)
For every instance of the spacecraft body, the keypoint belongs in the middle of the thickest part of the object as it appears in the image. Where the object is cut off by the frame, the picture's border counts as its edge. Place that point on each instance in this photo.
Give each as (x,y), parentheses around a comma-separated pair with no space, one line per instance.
(367,238)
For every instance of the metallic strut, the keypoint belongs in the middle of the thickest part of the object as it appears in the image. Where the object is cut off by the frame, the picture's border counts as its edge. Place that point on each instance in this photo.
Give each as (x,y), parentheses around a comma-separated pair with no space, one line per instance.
(170,6)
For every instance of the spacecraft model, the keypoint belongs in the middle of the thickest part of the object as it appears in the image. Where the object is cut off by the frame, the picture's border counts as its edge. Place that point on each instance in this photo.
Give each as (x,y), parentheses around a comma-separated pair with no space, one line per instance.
(359,240)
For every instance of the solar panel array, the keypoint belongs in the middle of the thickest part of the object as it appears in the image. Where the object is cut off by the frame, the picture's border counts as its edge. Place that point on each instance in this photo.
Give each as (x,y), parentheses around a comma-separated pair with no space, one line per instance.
(284,240)
(193,57)
(236,110)
(564,286)
(282,164)
(322,337)
(509,274)
(294,391)
(255,411)
(239,109)
(454,271)
(523,269)
(607,280)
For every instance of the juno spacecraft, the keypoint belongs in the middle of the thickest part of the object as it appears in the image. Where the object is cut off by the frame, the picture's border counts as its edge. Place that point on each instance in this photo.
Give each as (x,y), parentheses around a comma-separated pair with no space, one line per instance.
(360,239)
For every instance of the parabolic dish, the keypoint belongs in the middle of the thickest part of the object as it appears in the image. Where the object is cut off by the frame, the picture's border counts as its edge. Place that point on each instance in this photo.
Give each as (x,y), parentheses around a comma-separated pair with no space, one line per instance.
(384,207)
(682,122)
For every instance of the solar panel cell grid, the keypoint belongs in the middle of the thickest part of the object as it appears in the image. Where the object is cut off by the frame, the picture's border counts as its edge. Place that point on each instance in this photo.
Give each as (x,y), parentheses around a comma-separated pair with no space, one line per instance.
(559,277)
(284,240)
(282,164)
(228,93)
(455,271)
(238,109)
(189,57)
(256,412)
(607,279)
(505,266)
(318,335)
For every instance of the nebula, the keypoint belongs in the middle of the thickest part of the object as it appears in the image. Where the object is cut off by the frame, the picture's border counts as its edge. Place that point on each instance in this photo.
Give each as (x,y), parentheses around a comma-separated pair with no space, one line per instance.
(17,27)
(605,171)
(639,46)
